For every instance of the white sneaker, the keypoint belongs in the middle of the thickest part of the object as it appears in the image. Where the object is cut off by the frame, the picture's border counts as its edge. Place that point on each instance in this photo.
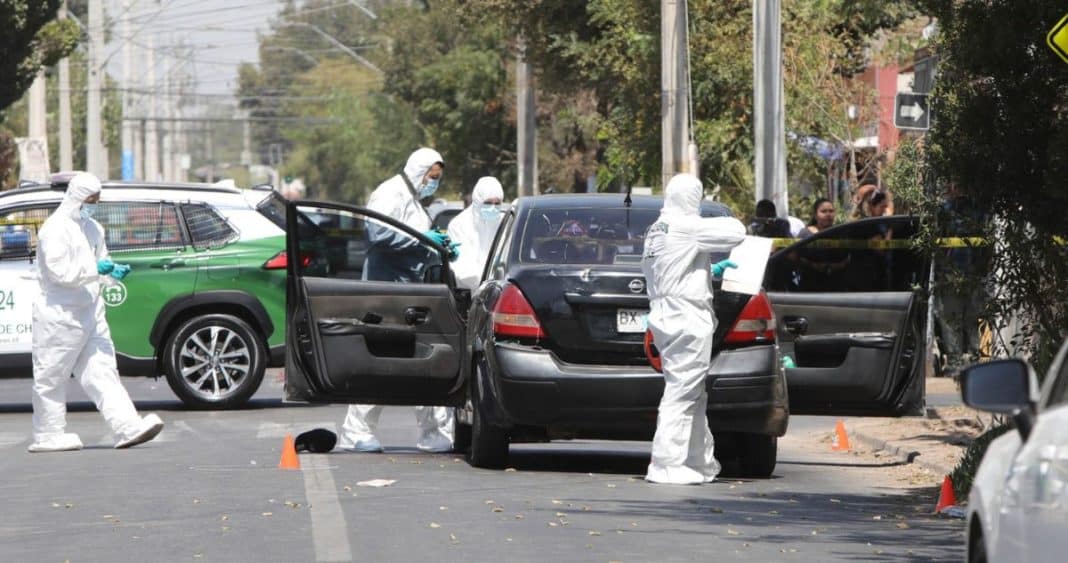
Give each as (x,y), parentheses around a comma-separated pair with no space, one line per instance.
(369,446)
(680,475)
(56,443)
(434,442)
(150,427)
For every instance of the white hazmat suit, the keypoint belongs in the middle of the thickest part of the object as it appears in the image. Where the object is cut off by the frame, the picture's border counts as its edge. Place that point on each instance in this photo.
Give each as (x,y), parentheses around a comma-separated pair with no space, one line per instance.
(474,228)
(70,332)
(395,198)
(676,265)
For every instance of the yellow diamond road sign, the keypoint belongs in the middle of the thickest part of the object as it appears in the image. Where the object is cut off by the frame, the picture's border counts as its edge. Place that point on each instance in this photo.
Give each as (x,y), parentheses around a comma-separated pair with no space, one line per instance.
(1058,38)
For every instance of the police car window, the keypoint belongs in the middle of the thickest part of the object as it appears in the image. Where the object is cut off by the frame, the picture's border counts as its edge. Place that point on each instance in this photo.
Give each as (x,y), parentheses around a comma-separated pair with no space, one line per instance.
(348,245)
(206,226)
(18,230)
(585,235)
(140,226)
(873,255)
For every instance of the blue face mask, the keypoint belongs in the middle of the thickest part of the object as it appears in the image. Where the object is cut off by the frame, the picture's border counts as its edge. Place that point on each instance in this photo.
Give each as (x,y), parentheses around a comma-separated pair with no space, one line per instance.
(87,210)
(490,212)
(428,189)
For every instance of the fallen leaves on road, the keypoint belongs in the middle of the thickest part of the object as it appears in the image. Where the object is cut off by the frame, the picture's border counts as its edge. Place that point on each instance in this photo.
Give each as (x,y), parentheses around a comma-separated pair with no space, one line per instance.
(435,525)
(733,532)
(268,514)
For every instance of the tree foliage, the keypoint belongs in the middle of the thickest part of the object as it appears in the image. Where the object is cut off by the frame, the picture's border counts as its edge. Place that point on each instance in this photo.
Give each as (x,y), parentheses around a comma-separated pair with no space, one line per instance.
(32,39)
(612,48)
(1001,129)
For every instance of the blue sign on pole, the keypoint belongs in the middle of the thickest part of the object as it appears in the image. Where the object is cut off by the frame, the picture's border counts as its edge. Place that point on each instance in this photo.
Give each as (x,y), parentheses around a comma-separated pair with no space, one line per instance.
(127,165)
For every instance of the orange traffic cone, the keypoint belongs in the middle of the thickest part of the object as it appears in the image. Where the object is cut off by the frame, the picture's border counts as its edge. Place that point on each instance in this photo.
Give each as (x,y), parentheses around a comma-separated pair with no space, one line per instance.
(841,438)
(946,497)
(289,454)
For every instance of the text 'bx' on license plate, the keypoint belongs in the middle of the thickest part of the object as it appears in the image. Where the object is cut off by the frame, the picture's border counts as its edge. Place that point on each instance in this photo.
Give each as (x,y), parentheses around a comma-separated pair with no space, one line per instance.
(631,320)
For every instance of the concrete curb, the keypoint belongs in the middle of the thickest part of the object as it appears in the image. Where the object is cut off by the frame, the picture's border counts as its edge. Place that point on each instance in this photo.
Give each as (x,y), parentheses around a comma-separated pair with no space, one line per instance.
(899,452)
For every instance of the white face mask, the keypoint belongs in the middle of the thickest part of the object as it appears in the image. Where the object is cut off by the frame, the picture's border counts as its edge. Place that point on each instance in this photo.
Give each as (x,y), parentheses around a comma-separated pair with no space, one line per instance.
(87,210)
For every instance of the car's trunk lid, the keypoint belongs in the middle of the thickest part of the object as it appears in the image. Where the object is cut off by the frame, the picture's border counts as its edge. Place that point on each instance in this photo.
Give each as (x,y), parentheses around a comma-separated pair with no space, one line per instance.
(588,312)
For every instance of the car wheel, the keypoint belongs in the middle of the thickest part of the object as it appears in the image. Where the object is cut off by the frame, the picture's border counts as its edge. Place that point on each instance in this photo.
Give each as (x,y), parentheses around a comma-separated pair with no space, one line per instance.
(976,547)
(215,361)
(757,454)
(461,433)
(489,444)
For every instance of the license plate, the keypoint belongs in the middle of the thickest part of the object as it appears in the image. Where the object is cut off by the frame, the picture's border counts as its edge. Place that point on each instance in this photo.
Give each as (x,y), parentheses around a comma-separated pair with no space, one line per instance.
(631,320)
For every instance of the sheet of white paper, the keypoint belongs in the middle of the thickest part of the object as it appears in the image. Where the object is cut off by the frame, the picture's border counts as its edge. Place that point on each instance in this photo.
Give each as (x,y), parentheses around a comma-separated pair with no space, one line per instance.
(752,259)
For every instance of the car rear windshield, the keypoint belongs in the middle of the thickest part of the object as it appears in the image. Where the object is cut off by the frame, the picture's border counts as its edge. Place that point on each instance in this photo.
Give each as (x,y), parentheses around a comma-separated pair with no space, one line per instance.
(592,235)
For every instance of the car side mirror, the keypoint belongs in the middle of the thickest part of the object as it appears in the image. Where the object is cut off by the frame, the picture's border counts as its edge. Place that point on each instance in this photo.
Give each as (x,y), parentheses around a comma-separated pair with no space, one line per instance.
(1001,387)
(433,274)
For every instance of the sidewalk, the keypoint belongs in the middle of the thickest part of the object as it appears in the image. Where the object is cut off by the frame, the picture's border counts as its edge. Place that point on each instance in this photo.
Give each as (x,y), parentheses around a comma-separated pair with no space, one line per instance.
(935,442)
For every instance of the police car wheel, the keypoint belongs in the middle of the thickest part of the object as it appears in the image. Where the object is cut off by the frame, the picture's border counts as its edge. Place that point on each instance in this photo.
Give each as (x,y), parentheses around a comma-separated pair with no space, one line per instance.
(214,361)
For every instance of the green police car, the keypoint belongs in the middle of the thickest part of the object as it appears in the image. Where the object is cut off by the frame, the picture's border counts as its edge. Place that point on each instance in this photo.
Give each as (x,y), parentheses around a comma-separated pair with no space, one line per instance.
(204,305)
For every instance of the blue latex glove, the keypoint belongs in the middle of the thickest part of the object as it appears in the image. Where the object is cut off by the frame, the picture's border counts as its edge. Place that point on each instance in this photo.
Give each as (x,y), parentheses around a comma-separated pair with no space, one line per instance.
(437,236)
(104,267)
(454,251)
(719,267)
(120,271)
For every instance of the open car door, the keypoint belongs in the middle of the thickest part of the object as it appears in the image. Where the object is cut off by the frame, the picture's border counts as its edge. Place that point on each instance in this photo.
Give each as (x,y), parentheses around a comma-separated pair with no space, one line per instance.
(370,311)
(851,308)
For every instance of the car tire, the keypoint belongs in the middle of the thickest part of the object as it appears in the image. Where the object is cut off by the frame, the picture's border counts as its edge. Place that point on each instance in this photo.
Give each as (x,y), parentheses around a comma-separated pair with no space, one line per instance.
(214,361)
(757,454)
(976,548)
(461,433)
(489,444)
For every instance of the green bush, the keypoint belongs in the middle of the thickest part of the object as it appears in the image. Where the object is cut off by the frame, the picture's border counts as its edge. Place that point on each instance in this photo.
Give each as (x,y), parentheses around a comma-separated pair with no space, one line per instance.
(963,475)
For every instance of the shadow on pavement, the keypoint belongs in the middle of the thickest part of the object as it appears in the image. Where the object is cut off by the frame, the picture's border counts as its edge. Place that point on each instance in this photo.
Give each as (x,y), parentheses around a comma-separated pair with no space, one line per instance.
(886,526)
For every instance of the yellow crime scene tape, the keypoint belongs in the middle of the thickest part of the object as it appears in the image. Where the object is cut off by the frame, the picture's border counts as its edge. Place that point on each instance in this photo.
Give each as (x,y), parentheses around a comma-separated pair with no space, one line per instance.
(881,244)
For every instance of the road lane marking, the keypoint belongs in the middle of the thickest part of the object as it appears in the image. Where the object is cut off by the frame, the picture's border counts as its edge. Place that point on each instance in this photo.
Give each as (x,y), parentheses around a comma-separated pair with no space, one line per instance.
(280,429)
(329,529)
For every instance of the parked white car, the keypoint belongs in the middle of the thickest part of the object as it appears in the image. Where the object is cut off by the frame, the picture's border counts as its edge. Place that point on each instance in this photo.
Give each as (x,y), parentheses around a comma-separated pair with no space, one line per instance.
(1018,506)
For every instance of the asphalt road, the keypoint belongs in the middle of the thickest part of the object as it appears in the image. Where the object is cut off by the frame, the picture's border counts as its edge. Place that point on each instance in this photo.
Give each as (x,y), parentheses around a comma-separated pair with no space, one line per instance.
(208,489)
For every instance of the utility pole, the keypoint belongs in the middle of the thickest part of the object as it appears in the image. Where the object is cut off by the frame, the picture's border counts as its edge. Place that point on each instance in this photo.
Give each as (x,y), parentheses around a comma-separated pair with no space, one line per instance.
(526,126)
(128,73)
(96,158)
(168,125)
(151,125)
(38,113)
(66,142)
(769,110)
(674,91)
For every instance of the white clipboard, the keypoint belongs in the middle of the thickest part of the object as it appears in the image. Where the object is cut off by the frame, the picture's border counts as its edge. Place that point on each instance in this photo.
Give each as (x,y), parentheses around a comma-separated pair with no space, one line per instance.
(751,256)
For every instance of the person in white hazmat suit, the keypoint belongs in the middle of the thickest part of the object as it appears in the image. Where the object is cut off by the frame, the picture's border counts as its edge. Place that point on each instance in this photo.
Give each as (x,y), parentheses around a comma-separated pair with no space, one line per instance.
(474,229)
(676,264)
(394,256)
(70,332)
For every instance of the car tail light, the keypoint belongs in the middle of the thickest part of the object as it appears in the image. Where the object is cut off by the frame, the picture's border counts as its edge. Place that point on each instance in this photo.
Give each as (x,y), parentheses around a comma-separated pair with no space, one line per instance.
(756,323)
(652,353)
(281,260)
(513,316)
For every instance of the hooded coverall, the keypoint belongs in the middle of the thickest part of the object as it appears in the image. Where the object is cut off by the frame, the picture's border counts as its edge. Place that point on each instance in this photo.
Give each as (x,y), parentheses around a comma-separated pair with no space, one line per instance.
(676,265)
(391,257)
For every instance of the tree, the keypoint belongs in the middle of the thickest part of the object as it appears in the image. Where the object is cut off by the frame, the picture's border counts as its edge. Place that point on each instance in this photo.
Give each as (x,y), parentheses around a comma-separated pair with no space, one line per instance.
(999,136)
(32,39)
(612,48)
